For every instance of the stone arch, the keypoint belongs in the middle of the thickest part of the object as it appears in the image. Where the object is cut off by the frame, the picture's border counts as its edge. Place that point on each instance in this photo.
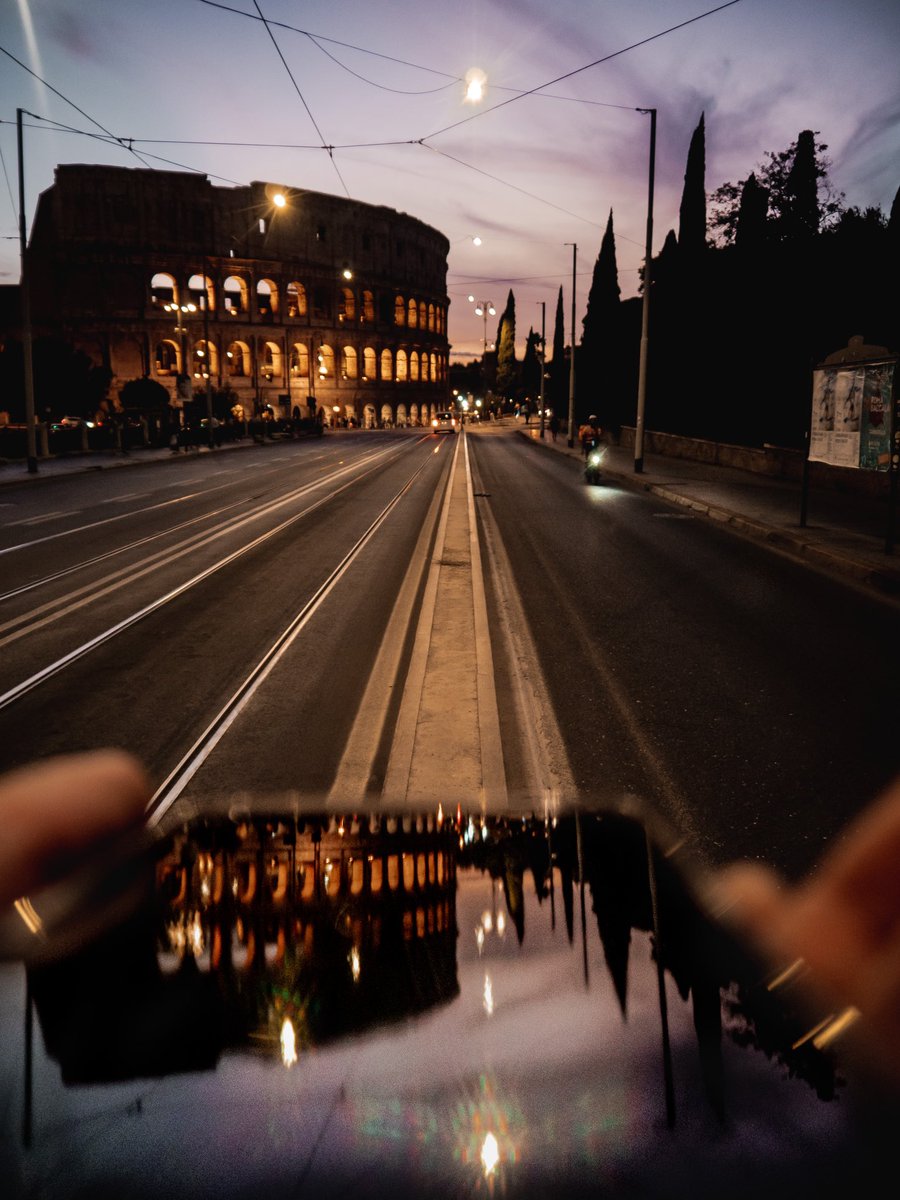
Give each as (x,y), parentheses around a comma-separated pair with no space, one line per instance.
(326,362)
(300,360)
(387,365)
(206,358)
(236,295)
(399,311)
(267,298)
(237,360)
(370,364)
(295,295)
(272,365)
(349,364)
(163,289)
(202,291)
(167,357)
(402,367)
(412,314)
(414,366)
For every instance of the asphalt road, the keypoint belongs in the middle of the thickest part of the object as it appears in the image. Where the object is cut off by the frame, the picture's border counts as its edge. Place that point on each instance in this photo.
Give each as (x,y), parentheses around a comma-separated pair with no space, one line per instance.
(222,616)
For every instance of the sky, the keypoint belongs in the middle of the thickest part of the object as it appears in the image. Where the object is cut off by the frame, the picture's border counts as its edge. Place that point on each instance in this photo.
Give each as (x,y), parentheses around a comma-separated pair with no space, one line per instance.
(367,99)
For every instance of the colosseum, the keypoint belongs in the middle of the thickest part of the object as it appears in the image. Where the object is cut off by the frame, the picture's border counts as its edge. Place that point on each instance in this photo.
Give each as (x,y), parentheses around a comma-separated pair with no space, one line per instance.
(289,303)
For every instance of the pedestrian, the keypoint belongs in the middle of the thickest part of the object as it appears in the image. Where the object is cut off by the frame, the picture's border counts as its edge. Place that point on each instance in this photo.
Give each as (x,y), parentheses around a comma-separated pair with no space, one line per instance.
(554,425)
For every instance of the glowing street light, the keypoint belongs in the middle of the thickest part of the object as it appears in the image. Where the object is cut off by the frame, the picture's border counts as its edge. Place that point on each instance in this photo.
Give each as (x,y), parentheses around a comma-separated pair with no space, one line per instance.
(476,85)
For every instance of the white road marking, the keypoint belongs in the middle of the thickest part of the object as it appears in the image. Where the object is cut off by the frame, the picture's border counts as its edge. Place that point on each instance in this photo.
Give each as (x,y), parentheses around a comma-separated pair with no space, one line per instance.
(46,517)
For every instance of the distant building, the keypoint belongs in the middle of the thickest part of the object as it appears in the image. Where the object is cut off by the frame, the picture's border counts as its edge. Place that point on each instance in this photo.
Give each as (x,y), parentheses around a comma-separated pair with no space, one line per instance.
(294,300)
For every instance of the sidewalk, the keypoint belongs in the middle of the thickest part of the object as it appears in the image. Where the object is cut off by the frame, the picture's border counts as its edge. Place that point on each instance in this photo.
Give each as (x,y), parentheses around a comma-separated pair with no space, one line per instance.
(844,534)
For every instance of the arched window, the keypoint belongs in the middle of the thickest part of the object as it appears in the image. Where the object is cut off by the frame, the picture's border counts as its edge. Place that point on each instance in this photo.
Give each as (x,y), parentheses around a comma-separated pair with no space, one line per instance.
(431,317)
(267,299)
(237,360)
(368,308)
(399,311)
(299,361)
(402,375)
(235,290)
(167,358)
(369,363)
(206,359)
(271,366)
(163,290)
(326,362)
(201,292)
(387,365)
(412,315)
(434,373)
(423,315)
(414,366)
(346,305)
(348,363)
(296,299)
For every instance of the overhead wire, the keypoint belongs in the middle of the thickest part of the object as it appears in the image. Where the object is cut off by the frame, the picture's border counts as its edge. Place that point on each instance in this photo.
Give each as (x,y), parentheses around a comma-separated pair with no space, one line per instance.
(71,103)
(578,70)
(302,98)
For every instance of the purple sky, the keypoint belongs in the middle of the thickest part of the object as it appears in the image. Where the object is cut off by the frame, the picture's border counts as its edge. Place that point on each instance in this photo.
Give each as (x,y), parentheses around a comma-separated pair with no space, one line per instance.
(382,83)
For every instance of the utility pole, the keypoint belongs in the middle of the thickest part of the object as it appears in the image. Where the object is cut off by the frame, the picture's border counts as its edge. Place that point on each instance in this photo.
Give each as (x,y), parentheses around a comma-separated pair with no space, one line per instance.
(27,357)
(571,435)
(543,305)
(645,317)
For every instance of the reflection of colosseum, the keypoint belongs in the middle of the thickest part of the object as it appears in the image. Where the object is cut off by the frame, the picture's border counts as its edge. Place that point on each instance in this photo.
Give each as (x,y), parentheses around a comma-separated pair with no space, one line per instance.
(330,923)
(290,298)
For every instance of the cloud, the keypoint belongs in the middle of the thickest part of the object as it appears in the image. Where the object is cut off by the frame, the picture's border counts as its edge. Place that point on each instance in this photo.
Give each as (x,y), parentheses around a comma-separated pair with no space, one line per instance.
(75,36)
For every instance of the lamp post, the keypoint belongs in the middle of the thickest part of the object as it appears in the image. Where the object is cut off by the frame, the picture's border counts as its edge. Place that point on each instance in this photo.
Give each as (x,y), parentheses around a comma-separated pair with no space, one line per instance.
(571,423)
(543,305)
(645,312)
(484,309)
(28,361)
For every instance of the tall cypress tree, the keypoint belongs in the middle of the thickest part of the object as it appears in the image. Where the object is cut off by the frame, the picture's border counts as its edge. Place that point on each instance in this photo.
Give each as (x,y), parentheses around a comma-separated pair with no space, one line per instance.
(801,213)
(603,298)
(692,213)
(506,349)
(600,336)
(750,231)
(557,368)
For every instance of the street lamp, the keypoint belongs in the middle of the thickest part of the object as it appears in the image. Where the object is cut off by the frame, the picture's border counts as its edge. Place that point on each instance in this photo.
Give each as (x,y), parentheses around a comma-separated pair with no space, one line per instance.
(543,304)
(484,309)
(645,313)
(571,432)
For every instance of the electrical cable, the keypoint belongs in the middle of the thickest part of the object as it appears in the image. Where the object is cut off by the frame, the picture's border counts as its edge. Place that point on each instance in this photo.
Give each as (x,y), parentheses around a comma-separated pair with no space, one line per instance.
(303,101)
(569,74)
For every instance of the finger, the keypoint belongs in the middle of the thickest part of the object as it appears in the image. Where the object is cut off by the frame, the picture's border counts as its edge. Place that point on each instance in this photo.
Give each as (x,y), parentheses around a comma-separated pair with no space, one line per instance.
(51,810)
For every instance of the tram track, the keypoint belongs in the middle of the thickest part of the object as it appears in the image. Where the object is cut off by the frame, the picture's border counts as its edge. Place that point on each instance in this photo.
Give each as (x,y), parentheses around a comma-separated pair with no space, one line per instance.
(127,576)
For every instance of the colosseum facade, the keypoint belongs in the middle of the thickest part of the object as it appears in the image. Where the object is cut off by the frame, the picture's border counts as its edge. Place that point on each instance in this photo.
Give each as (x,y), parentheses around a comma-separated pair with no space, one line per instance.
(297,302)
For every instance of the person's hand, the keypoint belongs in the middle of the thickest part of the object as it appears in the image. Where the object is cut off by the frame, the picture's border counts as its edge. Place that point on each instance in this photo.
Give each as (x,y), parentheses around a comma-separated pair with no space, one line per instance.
(52,811)
(843,921)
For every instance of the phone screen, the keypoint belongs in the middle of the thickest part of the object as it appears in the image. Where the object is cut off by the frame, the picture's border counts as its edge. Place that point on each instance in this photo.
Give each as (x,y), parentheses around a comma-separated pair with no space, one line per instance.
(421,1004)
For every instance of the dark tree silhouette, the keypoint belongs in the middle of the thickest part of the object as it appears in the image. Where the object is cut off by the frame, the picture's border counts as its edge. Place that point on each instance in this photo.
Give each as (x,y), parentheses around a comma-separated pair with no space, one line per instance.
(507,376)
(692,213)
(788,189)
(558,367)
(600,342)
(531,367)
(750,228)
(800,215)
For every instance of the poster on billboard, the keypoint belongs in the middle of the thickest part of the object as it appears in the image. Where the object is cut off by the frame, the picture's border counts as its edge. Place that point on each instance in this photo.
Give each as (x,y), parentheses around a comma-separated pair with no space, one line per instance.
(851,415)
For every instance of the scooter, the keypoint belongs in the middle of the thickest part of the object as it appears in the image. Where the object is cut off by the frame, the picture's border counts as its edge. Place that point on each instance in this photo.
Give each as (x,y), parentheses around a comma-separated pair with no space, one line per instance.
(595,457)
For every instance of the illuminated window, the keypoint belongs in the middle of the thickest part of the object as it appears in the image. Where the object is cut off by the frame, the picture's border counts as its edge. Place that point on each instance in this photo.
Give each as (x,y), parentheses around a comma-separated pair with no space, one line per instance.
(399,311)
(402,375)
(348,363)
(414,366)
(369,363)
(387,365)
(296,299)
(412,316)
